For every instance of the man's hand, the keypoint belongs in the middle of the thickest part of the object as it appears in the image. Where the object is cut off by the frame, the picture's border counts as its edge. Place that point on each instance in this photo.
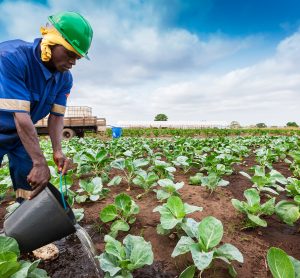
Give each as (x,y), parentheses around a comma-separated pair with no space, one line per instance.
(63,163)
(38,178)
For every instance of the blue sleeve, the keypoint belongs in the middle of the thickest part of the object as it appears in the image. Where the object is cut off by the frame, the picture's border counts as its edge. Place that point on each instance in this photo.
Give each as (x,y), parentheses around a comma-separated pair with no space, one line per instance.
(14,95)
(60,102)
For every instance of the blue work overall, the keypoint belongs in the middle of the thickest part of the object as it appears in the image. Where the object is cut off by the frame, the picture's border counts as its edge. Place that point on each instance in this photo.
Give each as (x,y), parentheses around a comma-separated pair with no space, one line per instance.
(26,86)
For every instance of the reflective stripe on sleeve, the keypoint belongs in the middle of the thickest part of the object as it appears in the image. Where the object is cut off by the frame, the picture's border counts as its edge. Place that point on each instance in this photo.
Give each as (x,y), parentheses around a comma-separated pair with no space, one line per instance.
(15,104)
(23,193)
(60,109)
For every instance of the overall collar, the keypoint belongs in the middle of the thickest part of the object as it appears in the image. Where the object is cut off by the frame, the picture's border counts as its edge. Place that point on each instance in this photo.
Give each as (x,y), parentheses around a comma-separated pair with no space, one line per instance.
(37,54)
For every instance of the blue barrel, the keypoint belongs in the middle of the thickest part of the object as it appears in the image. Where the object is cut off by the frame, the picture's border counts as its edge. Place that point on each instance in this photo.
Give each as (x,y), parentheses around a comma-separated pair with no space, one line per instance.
(116,132)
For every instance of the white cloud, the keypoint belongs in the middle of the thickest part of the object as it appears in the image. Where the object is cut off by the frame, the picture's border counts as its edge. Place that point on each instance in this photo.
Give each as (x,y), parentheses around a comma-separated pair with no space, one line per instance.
(140,68)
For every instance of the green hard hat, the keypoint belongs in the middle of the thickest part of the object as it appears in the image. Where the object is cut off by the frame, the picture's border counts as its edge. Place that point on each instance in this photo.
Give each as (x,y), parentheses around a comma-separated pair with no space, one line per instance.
(75,29)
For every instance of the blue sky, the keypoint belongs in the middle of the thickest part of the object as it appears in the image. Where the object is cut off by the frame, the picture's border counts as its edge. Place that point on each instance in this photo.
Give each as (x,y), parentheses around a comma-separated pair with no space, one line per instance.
(193,60)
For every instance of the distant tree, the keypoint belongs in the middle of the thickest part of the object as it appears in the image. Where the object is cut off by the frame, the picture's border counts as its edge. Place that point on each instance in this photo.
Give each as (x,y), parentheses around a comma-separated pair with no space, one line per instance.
(161,117)
(235,124)
(261,125)
(292,124)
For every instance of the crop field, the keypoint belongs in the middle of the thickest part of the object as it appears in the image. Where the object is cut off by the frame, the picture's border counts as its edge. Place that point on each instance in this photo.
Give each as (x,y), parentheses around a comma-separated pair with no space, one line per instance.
(180,206)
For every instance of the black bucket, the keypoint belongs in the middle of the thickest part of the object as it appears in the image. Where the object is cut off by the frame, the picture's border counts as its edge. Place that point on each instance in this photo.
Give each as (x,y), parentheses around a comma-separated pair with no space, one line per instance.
(40,221)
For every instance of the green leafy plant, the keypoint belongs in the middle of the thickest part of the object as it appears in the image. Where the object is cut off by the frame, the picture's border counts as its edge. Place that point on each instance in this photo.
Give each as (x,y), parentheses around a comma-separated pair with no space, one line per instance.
(211,182)
(78,213)
(287,211)
(92,190)
(167,188)
(145,180)
(11,267)
(196,179)
(120,260)
(163,169)
(253,209)
(202,240)
(183,162)
(91,160)
(121,212)
(266,182)
(282,265)
(293,188)
(173,214)
(129,167)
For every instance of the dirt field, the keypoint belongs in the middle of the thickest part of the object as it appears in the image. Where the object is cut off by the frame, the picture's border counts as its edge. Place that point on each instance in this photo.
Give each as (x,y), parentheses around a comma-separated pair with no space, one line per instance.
(252,243)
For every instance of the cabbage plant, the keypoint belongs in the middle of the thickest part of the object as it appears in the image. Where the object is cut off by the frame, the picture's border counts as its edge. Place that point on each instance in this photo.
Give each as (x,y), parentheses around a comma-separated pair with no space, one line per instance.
(281,264)
(122,212)
(288,211)
(293,188)
(145,180)
(253,209)
(211,182)
(268,182)
(173,214)
(120,260)
(167,188)
(129,167)
(11,267)
(91,190)
(202,240)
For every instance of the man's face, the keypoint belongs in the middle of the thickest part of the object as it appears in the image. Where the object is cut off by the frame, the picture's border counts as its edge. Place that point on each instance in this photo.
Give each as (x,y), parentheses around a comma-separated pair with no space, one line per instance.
(62,58)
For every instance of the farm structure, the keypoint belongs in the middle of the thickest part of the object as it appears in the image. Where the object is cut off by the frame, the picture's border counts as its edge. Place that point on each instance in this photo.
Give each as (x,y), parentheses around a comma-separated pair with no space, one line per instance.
(174,124)
(77,120)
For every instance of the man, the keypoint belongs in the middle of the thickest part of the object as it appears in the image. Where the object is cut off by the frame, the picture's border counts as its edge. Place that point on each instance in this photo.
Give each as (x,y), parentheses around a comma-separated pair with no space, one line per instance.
(34,81)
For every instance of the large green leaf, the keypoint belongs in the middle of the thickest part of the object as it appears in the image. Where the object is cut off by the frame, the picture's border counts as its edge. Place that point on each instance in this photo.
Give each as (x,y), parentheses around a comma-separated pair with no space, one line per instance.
(201,259)
(296,264)
(8,264)
(252,196)
(168,221)
(189,272)
(210,232)
(280,264)
(123,202)
(230,252)
(26,270)
(190,208)
(116,180)
(176,206)
(109,213)
(190,226)
(238,205)
(268,207)
(140,162)
(109,264)
(114,248)
(182,246)
(118,164)
(138,251)
(257,220)
(8,244)
(101,155)
(287,211)
(118,225)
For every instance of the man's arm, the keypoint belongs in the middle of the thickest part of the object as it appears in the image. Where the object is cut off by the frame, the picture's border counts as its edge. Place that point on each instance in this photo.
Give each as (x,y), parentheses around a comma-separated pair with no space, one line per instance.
(55,127)
(39,175)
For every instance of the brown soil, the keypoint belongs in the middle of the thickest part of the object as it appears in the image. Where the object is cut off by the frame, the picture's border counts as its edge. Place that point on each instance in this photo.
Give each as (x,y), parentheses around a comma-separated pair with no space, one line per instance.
(252,243)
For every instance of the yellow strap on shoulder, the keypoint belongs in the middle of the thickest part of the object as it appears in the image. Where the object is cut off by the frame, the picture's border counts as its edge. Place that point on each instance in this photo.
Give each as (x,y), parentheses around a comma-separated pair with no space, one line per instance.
(52,37)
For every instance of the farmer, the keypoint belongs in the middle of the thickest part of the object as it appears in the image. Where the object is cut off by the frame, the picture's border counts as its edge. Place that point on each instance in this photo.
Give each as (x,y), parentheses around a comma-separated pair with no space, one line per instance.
(34,81)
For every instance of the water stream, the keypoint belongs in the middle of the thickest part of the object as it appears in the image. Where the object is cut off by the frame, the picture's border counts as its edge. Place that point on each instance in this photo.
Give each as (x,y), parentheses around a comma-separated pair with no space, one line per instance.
(89,248)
